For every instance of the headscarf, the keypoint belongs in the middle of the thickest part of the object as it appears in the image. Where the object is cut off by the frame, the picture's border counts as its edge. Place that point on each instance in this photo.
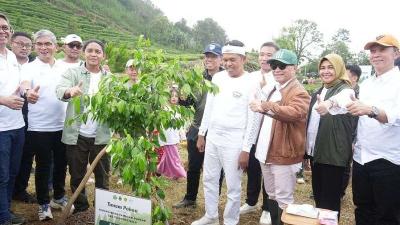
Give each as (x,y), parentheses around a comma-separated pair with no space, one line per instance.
(340,69)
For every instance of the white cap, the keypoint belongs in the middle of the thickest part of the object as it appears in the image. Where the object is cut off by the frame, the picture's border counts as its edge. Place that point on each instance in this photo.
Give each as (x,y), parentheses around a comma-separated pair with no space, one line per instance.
(71,38)
(129,63)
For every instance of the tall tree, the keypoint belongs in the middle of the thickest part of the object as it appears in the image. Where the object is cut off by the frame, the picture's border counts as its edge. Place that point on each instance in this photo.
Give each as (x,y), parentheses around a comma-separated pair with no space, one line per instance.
(302,37)
(208,30)
(339,45)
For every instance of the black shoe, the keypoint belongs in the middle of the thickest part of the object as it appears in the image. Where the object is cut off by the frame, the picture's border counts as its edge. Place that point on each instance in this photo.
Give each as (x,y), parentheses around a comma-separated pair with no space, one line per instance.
(17,219)
(24,197)
(184,204)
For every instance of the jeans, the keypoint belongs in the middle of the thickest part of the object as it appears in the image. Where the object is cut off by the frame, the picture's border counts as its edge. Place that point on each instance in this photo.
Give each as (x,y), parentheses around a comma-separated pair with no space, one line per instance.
(376,193)
(11,144)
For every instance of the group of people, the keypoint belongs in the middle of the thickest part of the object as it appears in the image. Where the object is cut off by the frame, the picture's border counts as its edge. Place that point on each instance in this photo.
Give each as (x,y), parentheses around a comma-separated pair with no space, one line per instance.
(34,115)
(264,123)
(44,87)
(267,124)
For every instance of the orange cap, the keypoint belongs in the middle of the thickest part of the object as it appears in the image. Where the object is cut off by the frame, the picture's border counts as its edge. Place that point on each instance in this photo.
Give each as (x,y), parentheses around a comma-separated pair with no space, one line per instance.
(384,40)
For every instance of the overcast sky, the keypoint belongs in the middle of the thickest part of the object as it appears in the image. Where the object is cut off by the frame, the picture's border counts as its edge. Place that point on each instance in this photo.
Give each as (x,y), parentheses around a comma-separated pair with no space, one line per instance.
(257,21)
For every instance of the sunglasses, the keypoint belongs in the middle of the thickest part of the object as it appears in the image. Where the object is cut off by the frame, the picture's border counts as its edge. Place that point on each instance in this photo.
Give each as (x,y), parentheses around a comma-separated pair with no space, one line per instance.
(74,45)
(281,66)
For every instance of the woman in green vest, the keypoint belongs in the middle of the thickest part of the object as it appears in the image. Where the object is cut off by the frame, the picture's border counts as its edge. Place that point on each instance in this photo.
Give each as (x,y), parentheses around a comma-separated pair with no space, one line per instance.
(330,132)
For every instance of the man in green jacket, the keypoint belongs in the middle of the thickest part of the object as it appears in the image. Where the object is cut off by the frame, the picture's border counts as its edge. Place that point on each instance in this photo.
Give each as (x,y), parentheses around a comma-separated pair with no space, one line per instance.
(84,140)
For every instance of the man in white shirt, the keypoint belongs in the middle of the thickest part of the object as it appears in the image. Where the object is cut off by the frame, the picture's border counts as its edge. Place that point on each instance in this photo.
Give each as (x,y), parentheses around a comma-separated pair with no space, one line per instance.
(46,117)
(265,77)
(376,165)
(228,122)
(11,123)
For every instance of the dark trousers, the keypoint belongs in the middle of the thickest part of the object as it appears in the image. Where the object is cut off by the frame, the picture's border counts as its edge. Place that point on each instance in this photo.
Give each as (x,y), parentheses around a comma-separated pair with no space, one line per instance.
(21,182)
(79,156)
(11,143)
(254,183)
(346,179)
(196,159)
(48,147)
(376,193)
(327,185)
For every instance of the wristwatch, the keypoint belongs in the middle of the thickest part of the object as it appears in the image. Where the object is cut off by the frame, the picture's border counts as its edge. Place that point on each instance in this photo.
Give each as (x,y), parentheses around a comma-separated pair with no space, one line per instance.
(374,112)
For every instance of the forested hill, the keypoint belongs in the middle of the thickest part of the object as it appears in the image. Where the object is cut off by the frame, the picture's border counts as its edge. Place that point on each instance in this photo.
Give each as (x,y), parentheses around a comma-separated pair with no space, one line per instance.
(110,20)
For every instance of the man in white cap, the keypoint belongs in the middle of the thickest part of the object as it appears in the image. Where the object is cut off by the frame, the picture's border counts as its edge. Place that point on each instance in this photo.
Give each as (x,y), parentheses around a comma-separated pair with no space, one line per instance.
(72,51)
(376,165)
(228,122)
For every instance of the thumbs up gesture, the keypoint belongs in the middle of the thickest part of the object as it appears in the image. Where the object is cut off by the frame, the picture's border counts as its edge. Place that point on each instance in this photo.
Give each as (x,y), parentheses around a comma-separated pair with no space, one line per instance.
(76,90)
(14,101)
(357,108)
(32,95)
(323,106)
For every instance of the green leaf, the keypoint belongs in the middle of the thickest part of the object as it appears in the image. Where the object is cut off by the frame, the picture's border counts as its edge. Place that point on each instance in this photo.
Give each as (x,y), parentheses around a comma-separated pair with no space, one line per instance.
(77,104)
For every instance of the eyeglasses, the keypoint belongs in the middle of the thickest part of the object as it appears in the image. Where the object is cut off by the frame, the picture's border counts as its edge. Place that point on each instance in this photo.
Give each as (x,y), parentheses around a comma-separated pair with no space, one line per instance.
(5,28)
(281,66)
(22,44)
(74,45)
(46,44)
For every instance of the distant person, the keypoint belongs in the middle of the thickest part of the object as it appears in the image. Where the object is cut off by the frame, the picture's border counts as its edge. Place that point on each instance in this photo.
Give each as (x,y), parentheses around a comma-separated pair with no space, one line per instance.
(229,124)
(21,46)
(330,130)
(354,74)
(281,138)
(85,140)
(376,160)
(12,133)
(131,71)
(254,181)
(45,123)
(170,163)
(212,62)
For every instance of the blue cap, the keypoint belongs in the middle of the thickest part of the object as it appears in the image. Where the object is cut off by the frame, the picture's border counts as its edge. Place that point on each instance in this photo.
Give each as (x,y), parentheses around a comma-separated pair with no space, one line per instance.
(213,48)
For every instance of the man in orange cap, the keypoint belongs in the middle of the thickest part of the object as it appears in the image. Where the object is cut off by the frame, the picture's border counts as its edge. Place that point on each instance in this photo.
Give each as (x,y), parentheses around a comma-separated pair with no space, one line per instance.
(376,165)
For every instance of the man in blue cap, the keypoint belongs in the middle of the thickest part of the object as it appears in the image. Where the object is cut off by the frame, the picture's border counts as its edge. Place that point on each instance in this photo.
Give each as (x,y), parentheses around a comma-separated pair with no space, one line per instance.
(212,63)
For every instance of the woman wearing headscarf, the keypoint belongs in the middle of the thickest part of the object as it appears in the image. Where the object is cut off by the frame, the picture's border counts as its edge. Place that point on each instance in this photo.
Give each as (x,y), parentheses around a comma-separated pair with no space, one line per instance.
(330,132)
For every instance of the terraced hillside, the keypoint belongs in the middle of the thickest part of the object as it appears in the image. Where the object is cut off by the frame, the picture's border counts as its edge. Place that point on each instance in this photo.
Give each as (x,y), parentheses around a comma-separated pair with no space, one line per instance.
(89,19)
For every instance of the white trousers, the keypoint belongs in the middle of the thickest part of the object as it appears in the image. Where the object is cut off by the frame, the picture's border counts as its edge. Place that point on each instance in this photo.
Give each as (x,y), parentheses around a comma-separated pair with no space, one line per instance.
(217,157)
(279,182)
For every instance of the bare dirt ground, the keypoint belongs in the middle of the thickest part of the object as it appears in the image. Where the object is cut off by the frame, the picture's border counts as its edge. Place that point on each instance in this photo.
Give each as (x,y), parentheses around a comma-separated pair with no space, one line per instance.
(174,193)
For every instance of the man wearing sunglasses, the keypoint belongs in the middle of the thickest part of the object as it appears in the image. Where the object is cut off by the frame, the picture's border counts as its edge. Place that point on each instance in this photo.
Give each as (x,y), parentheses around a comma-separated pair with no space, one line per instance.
(282,127)
(265,77)
(72,51)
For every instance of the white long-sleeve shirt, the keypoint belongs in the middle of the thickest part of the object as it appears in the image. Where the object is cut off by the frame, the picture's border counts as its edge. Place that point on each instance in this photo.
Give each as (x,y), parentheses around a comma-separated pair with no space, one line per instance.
(227,116)
(376,140)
